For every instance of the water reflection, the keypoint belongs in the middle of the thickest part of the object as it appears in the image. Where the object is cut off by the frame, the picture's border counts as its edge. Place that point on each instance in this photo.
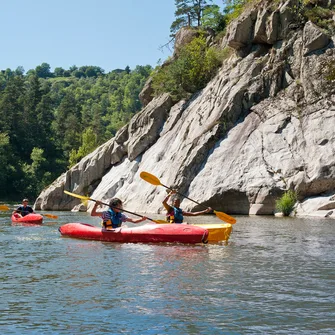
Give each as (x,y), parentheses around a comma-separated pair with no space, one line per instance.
(273,277)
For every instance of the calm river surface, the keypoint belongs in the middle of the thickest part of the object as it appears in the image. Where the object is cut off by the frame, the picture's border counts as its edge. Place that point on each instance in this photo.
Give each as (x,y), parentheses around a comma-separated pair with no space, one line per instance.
(275,276)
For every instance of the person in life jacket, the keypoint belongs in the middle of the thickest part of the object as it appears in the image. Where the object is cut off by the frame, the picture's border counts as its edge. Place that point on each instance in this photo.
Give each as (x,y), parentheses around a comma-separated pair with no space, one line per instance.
(175,214)
(113,218)
(23,210)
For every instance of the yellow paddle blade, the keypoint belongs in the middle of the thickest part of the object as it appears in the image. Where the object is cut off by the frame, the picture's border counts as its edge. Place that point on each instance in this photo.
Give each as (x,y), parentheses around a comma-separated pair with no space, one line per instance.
(84,202)
(225,217)
(150,178)
(77,195)
(51,216)
(4,208)
(83,199)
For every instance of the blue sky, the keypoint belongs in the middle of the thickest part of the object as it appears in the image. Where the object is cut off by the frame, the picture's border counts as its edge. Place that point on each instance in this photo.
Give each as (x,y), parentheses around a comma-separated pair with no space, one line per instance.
(107,33)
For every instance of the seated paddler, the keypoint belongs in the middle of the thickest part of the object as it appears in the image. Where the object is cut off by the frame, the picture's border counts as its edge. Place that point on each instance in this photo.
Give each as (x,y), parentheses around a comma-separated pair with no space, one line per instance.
(113,217)
(23,210)
(174,213)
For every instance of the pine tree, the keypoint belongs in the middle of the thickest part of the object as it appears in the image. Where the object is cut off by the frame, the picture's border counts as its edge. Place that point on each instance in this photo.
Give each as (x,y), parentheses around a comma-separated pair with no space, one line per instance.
(189,13)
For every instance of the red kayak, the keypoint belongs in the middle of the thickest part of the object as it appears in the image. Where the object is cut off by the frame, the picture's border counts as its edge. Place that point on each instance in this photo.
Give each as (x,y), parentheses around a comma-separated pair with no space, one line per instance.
(149,233)
(29,218)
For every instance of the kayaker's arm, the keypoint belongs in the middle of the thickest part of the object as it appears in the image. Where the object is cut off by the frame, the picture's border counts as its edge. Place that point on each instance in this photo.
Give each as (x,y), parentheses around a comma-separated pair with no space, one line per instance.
(136,220)
(165,204)
(209,209)
(18,211)
(94,210)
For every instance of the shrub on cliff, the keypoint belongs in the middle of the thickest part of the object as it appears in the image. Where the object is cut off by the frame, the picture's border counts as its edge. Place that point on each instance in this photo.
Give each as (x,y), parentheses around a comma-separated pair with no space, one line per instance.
(191,71)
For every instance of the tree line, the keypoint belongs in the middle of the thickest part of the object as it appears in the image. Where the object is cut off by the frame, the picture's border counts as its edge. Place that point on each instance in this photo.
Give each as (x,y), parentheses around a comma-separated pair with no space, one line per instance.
(50,120)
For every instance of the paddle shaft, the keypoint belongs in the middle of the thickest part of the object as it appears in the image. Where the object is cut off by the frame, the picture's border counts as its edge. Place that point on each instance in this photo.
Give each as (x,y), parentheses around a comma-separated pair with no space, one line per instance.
(220,215)
(50,216)
(150,178)
(104,203)
(184,196)
(6,208)
(123,210)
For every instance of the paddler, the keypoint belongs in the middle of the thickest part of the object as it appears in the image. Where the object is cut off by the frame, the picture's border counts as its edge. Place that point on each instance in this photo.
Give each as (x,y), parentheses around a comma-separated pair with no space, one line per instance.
(24,209)
(175,214)
(113,218)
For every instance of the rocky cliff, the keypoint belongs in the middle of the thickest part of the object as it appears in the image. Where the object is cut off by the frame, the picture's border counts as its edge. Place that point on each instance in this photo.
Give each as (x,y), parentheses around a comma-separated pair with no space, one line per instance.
(263,125)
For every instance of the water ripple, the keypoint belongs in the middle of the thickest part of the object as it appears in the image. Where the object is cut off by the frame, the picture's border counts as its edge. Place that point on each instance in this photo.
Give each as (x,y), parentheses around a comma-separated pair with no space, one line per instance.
(273,277)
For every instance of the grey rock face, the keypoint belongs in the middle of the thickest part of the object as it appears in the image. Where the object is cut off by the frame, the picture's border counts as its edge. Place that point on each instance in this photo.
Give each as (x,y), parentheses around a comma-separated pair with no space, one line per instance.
(146,95)
(263,125)
(314,38)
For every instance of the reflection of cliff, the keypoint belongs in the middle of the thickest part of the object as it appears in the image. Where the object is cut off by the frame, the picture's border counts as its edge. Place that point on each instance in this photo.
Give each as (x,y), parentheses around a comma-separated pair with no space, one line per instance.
(263,124)
(188,278)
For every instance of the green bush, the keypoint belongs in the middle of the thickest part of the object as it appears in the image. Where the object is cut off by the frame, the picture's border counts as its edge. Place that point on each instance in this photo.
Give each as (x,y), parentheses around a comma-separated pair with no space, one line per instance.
(234,8)
(322,17)
(195,66)
(286,203)
(330,70)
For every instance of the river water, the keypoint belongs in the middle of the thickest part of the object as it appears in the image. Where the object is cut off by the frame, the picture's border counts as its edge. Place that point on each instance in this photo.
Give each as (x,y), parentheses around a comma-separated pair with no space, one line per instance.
(274,276)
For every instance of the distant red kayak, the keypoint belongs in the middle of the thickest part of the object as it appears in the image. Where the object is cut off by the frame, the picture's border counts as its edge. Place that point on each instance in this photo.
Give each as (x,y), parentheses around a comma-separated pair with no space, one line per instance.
(149,233)
(29,218)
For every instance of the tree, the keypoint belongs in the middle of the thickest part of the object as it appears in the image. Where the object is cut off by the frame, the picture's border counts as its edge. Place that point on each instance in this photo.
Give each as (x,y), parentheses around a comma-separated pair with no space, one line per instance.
(11,111)
(78,74)
(43,70)
(73,68)
(35,173)
(93,71)
(59,72)
(19,71)
(89,143)
(233,8)
(45,118)
(212,18)
(5,167)
(97,123)
(13,132)
(67,124)
(31,98)
(115,121)
(189,13)
(9,73)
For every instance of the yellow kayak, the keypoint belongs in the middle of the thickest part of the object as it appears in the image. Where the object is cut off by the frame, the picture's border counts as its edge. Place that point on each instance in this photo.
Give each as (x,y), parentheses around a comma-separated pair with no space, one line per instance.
(217,232)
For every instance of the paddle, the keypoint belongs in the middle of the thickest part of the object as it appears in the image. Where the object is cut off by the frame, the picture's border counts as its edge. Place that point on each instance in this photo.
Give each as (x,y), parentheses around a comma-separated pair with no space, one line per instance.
(82,197)
(155,181)
(51,216)
(6,208)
